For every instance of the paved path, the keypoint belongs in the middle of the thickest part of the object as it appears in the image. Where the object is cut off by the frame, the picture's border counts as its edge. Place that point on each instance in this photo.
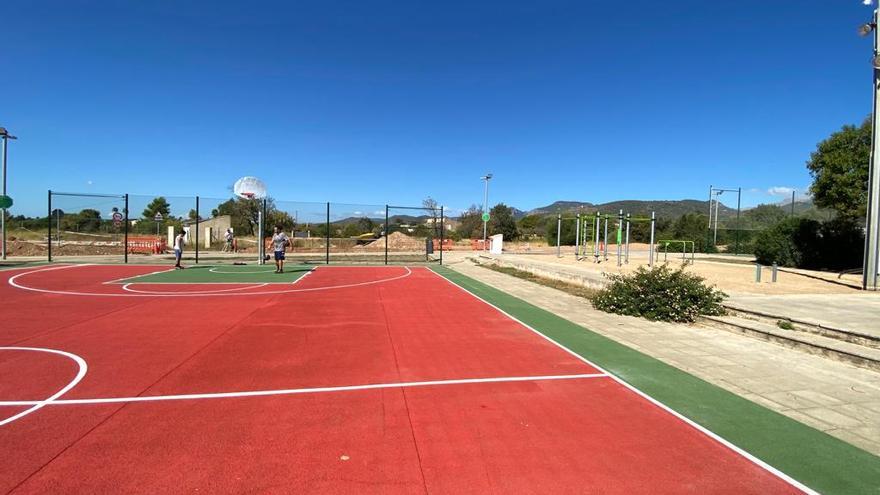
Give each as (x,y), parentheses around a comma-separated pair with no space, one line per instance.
(834,397)
(859,311)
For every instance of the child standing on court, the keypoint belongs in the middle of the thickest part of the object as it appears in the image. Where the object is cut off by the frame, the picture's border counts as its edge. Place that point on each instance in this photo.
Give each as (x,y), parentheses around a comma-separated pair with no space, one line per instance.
(178,249)
(280,241)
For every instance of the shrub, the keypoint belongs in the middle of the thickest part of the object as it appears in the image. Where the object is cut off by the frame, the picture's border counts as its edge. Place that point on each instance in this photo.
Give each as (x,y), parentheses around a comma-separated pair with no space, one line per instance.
(660,294)
(806,243)
(792,242)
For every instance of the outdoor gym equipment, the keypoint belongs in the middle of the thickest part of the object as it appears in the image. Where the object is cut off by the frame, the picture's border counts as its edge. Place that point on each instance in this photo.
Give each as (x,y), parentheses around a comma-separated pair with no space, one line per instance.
(684,245)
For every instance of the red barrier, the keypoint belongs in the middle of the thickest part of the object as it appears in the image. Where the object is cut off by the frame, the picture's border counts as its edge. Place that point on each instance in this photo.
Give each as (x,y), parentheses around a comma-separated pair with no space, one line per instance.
(447,244)
(477,245)
(146,245)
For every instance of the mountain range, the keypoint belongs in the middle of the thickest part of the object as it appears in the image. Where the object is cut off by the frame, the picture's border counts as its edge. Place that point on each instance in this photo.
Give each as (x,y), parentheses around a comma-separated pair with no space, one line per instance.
(663,208)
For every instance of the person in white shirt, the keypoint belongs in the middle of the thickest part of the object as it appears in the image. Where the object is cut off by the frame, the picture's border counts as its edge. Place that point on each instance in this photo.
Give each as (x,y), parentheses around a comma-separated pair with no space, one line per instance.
(280,241)
(230,239)
(178,249)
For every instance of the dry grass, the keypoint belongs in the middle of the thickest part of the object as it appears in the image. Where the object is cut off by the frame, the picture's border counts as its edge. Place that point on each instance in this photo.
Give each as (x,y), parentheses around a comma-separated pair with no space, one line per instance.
(573,289)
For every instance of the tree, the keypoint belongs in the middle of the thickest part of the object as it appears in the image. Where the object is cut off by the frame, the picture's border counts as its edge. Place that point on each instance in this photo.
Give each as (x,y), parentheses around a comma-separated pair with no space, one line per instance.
(157,205)
(533,225)
(764,216)
(351,230)
(839,167)
(501,221)
(275,217)
(470,223)
(245,214)
(691,227)
(792,242)
(88,220)
(566,230)
(192,214)
(430,204)
(365,225)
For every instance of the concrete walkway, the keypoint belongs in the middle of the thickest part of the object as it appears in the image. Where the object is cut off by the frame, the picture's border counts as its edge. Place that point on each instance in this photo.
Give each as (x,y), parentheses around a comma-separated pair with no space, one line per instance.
(859,311)
(831,396)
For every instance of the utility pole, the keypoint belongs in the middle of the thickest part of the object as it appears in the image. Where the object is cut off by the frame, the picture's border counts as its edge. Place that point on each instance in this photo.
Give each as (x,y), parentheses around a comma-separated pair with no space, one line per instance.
(4,134)
(486,179)
(872,220)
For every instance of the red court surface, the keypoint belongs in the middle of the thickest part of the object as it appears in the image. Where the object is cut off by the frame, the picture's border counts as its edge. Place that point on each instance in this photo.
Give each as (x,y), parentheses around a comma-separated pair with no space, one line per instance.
(319,387)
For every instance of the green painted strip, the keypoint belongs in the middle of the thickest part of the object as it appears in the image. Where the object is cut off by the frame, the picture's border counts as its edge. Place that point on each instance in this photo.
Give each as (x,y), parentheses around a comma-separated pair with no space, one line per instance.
(224,274)
(814,458)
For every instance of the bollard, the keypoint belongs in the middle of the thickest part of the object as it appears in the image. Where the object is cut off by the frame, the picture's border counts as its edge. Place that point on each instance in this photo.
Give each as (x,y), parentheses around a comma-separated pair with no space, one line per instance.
(775,268)
(758,273)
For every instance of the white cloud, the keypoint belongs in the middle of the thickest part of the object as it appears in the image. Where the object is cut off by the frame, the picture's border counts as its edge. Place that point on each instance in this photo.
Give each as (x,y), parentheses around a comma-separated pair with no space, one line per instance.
(780,191)
(358,213)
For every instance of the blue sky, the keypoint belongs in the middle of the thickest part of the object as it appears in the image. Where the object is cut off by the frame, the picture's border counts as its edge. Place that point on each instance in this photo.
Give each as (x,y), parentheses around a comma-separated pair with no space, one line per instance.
(375,102)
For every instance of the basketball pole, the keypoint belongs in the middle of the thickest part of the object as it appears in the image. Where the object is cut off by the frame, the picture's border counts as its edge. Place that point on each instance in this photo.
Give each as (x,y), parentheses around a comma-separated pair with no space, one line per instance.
(260,235)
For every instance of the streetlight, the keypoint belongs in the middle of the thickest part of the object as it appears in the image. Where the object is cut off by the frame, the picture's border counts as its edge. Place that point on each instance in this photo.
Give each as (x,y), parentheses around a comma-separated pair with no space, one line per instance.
(872,220)
(485,208)
(718,191)
(6,136)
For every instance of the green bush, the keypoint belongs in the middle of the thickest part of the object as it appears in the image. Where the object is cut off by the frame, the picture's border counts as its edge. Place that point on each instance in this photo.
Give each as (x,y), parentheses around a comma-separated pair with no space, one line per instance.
(806,243)
(792,242)
(660,293)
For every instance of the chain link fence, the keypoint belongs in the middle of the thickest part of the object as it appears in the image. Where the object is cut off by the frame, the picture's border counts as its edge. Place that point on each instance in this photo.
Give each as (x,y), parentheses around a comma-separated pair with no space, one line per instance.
(125,227)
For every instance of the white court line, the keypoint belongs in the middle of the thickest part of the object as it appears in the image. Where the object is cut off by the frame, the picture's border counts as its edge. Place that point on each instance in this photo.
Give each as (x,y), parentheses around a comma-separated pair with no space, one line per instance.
(127,287)
(306,274)
(119,280)
(313,390)
(13,282)
(779,474)
(36,405)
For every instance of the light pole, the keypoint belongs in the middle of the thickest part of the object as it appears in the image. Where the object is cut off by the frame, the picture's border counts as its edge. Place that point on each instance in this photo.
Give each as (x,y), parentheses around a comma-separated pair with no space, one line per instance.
(872,219)
(486,179)
(718,191)
(6,137)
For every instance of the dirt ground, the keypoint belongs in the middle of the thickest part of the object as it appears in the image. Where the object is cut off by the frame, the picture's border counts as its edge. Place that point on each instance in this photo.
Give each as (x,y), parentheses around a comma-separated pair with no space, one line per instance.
(728,276)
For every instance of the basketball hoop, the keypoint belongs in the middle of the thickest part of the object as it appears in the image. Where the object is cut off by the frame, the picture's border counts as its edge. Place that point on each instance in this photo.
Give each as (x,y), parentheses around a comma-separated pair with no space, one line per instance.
(249,188)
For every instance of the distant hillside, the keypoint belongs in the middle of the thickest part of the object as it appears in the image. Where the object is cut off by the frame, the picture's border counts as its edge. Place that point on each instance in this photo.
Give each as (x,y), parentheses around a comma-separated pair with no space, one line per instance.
(663,209)
(407,219)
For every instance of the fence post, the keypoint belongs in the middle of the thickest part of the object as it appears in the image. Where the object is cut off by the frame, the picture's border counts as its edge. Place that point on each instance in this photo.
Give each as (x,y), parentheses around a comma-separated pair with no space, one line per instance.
(49,217)
(757,273)
(626,251)
(651,247)
(197,230)
(387,232)
(775,269)
(597,237)
(125,229)
(328,234)
(441,235)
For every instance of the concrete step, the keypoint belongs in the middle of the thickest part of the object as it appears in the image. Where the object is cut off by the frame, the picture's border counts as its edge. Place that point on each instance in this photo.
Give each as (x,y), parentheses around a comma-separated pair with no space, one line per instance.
(859,355)
(845,335)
